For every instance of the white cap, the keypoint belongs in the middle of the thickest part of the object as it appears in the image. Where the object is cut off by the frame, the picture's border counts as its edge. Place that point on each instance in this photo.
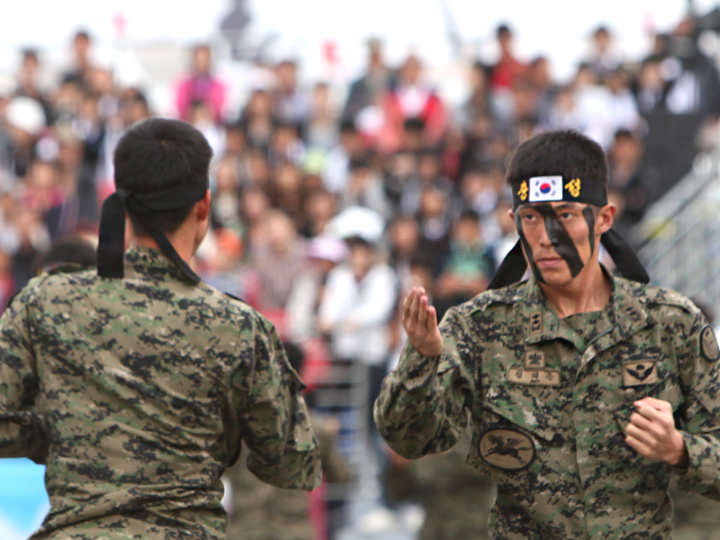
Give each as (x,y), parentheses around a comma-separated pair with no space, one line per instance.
(357,221)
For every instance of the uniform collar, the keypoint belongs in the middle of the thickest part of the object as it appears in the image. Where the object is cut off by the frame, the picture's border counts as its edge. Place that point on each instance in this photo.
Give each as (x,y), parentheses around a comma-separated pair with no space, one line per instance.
(539,322)
(150,262)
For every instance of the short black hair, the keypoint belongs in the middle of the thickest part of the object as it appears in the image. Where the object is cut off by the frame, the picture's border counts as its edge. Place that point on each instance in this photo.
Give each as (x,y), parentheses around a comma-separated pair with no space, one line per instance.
(468,214)
(567,153)
(503,30)
(160,154)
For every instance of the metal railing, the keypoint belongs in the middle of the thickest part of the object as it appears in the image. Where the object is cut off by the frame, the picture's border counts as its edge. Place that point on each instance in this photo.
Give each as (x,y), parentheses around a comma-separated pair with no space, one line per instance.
(680,234)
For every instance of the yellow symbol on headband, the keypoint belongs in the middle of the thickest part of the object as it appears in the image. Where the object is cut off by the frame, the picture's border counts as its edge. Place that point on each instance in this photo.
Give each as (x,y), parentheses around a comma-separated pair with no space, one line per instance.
(523,191)
(573,186)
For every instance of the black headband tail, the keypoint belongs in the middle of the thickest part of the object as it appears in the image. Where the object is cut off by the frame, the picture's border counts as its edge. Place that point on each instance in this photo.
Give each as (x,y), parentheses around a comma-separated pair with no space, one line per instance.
(111,245)
(511,268)
(111,239)
(626,261)
(167,248)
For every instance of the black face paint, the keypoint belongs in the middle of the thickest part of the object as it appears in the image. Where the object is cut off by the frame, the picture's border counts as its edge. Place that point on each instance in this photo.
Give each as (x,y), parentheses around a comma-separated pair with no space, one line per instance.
(528,250)
(589,216)
(560,239)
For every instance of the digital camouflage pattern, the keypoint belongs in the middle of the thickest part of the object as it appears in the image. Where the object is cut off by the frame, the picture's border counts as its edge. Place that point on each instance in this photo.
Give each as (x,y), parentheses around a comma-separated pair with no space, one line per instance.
(263,512)
(144,388)
(549,407)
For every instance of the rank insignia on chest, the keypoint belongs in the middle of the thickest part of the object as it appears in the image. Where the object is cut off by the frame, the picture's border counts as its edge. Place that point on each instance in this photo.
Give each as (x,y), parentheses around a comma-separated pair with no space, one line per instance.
(507,449)
(536,323)
(640,372)
(534,359)
(534,376)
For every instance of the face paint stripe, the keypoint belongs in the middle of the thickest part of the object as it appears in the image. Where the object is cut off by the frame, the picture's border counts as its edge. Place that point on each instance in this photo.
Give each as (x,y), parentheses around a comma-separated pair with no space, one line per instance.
(528,250)
(589,216)
(560,239)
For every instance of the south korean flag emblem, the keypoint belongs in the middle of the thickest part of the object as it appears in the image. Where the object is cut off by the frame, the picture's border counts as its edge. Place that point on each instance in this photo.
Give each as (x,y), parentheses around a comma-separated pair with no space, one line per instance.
(546,188)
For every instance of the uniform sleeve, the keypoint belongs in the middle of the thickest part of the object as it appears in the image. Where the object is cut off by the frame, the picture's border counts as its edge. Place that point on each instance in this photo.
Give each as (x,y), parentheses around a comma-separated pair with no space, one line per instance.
(700,415)
(423,405)
(21,434)
(275,421)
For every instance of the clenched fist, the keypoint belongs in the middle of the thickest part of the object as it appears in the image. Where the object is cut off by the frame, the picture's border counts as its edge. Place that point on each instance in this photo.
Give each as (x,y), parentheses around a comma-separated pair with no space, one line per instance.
(652,433)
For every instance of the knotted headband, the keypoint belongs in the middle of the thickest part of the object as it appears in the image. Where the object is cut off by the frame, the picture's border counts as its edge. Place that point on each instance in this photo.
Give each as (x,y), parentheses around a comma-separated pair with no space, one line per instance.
(111,245)
(547,189)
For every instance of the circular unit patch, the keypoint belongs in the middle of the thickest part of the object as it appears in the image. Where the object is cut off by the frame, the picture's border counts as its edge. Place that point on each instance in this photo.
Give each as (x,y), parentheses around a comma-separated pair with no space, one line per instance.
(708,344)
(507,449)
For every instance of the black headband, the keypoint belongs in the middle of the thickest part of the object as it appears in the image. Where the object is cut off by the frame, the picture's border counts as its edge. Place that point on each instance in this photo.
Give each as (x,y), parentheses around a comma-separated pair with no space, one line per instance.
(111,245)
(558,188)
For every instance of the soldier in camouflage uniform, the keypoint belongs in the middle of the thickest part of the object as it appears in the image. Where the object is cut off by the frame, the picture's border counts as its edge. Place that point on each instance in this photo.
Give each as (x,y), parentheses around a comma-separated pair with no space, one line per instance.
(587,391)
(137,384)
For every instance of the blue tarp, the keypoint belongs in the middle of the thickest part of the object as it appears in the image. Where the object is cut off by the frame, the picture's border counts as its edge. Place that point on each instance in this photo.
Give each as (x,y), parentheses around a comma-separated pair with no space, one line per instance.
(23,500)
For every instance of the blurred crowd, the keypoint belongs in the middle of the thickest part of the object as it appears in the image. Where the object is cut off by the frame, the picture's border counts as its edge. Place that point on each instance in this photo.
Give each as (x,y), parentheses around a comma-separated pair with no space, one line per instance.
(329,205)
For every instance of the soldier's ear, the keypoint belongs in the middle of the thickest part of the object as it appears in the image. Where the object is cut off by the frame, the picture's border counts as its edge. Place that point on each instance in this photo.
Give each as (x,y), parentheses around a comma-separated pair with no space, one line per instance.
(202,207)
(605,218)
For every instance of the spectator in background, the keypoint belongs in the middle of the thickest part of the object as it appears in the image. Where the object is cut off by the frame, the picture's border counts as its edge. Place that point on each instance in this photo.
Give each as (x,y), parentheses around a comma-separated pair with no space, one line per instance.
(320,130)
(7,283)
(225,183)
(79,71)
(470,264)
(274,265)
(254,204)
(479,101)
(320,207)
(603,58)
(257,119)
(508,68)
(290,101)
(365,189)
(323,253)
(358,303)
(650,87)
(200,85)
(623,108)
(349,146)
(371,85)
(412,97)
(29,85)
(480,188)
(404,244)
(539,79)
(625,161)
(435,224)
(25,123)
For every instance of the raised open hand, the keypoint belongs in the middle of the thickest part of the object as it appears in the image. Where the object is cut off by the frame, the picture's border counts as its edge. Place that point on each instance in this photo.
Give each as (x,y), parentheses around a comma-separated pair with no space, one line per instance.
(419,319)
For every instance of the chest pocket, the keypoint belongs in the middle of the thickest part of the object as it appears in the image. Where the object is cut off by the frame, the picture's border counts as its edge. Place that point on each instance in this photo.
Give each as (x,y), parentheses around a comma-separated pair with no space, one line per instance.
(515,422)
(645,377)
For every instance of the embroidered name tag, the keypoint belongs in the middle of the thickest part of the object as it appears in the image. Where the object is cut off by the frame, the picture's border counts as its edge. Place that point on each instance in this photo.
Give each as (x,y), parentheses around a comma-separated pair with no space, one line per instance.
(534,376)
(506,449)
(640,372)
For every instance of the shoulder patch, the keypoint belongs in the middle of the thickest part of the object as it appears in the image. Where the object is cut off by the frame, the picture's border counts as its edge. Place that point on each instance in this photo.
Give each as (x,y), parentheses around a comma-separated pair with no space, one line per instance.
(708,344)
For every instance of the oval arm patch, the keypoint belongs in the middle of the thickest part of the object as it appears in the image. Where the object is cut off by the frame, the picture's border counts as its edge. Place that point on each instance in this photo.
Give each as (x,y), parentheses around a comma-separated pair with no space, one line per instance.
(708,344)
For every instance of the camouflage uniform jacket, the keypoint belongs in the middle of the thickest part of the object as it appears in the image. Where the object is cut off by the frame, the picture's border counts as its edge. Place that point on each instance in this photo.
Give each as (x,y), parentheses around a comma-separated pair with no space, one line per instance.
(548,414)
(145,388)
